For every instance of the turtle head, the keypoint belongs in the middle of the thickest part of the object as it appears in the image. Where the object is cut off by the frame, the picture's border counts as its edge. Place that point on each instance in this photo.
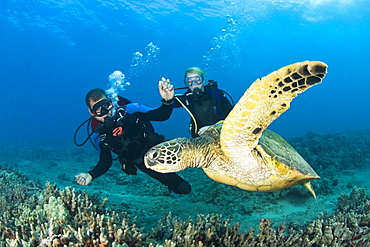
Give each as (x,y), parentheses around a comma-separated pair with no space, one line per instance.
(166,157)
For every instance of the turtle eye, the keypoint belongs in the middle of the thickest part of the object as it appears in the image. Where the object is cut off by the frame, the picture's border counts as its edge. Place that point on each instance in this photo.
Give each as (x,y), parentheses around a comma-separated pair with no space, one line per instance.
(153,155)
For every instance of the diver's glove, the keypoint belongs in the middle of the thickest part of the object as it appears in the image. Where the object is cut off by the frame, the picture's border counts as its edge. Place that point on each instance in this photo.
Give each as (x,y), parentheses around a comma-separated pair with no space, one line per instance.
(83,178)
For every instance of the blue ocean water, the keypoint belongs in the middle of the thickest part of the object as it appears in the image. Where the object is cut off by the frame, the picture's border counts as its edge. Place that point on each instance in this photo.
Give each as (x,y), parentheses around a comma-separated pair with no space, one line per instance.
(53,51)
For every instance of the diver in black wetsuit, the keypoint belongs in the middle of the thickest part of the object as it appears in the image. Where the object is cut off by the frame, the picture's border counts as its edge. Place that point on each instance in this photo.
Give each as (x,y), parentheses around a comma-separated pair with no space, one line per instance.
(129,136)
(206,103)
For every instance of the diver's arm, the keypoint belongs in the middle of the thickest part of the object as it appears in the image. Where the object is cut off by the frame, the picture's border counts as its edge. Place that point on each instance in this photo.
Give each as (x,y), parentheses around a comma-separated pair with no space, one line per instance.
(163,112)
(105,162)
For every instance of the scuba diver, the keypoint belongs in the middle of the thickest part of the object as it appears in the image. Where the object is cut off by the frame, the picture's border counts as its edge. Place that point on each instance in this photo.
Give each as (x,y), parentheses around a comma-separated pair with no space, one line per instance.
(129,136)
(206,104)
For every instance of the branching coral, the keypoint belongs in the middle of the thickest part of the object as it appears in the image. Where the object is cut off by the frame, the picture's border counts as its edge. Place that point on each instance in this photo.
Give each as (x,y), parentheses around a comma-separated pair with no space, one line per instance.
(53,217)
(65,217)
(344,228)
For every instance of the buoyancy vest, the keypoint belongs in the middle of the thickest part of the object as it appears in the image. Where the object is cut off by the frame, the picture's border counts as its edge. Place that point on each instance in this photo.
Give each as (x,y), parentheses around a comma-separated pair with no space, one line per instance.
(148,129)
(206,108)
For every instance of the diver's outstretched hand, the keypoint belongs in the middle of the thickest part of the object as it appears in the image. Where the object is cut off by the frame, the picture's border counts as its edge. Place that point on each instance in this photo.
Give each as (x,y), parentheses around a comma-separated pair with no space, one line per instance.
(166,90)
(83,178)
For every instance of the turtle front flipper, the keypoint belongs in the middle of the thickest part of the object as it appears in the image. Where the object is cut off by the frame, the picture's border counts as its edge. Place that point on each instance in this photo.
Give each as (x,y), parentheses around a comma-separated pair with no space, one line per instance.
(264,101)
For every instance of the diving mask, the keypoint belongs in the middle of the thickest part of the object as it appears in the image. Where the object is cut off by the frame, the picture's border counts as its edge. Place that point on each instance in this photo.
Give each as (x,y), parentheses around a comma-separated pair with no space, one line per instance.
(194,80)
(102,108)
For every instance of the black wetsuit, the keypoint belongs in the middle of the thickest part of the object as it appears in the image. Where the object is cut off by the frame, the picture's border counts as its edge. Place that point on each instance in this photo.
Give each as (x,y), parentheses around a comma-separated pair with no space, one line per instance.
(207,108)
(131,138)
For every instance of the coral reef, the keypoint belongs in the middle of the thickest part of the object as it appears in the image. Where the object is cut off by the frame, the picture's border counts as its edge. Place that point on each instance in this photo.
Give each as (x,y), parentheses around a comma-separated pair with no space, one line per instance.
(53,217)
(344,228)
(31,216)
(342,150)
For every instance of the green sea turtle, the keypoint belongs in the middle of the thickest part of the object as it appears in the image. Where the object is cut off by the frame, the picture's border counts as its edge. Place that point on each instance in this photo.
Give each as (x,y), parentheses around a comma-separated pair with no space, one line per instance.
(241,151)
